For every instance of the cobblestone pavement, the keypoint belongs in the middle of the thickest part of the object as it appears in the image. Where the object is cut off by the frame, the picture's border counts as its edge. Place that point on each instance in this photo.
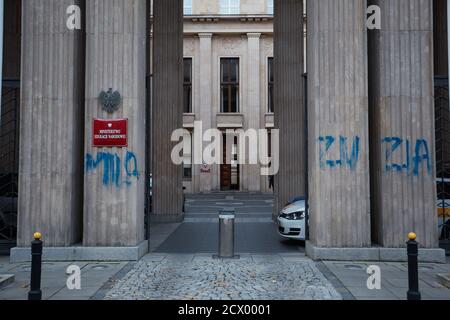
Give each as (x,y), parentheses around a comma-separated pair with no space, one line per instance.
(252,277)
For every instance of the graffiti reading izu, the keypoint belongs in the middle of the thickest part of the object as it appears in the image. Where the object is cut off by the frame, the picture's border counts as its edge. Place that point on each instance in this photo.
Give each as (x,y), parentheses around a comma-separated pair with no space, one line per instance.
(117,171)
(329,145)
(400,157)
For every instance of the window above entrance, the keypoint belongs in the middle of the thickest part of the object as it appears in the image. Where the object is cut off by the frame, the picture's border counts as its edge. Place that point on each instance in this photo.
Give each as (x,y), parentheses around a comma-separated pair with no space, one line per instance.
(187,9)
(229,6)
(229,85)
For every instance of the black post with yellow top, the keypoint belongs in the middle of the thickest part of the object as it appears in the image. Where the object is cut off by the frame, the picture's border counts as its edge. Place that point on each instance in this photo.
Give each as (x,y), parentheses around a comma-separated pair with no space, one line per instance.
(413,268)
(36,268)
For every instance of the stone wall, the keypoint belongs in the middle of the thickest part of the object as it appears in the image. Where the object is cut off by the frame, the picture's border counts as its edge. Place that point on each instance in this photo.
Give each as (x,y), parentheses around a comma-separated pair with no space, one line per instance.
(253,50)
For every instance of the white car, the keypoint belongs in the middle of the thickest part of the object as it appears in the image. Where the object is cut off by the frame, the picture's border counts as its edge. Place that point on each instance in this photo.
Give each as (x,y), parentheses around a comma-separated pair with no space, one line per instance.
(292,220)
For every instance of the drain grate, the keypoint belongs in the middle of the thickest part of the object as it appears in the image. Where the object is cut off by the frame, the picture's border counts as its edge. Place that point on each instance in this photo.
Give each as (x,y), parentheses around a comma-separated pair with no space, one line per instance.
(354,267)
(100,267)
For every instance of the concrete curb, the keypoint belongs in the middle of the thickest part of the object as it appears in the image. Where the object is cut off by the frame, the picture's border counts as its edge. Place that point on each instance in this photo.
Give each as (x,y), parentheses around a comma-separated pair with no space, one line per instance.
(103,291)
(337,284)
(6,280)
(19,255)
(444,279)
(372,254)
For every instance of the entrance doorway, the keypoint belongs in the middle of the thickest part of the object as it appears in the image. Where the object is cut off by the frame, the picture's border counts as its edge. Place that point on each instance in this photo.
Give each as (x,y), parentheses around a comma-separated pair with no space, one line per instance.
(229,170)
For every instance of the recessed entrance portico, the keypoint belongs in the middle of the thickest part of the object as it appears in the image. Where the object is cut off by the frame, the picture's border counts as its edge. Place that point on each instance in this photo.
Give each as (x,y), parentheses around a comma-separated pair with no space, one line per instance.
(356,195)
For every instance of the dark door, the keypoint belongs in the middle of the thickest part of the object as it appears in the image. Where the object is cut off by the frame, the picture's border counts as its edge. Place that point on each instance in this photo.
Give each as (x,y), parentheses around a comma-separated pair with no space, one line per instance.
(229,172)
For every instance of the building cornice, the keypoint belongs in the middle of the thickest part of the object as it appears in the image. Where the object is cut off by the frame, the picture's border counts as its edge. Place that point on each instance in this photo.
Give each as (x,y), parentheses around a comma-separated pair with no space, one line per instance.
(221,17)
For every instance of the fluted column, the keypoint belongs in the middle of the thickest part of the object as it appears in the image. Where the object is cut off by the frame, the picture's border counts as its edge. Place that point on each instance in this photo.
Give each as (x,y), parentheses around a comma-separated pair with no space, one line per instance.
(115,177)
(402,116)
(251,172)
(289,101)
(167,108)
(51,127)
(338,124)
(205,112)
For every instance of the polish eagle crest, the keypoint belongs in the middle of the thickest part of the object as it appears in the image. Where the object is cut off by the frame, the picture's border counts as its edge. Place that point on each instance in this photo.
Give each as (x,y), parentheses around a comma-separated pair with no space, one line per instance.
(110,100)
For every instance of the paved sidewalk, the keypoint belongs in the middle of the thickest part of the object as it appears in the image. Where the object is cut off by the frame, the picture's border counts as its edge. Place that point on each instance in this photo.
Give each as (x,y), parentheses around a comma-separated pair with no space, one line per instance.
(54,278)
(200,277)
(352,277)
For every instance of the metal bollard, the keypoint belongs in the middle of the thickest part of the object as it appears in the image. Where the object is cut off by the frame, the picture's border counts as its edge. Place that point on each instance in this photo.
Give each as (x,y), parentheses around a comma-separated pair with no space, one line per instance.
(226,234)
(36,268)
(413,268)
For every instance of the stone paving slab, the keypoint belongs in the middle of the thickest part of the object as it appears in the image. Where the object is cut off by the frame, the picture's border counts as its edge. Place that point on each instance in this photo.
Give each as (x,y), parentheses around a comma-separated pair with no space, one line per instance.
(192,277)
(394,280)
(202,237)
(54,280)
(159,232)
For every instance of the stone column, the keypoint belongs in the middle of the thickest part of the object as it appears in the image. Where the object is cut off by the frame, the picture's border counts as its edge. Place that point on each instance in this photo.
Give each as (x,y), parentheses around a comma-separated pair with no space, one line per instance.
(338,124)
(51,127)
(205,111)
(115,177)
(402,125)
(167,108)
(251,172)
(290,115)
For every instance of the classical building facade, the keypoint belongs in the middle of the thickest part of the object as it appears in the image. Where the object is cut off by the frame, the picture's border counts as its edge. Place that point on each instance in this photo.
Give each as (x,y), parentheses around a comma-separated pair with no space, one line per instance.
(356,136)
(228,83)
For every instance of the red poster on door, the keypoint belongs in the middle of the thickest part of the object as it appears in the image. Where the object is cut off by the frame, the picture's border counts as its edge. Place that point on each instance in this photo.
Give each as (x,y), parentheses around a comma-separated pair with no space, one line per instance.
(110,133)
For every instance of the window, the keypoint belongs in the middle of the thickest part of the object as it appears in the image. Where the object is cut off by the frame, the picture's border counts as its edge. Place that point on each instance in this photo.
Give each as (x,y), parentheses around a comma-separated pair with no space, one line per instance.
(187,85)
(187,156)
(187,172)
(270,84)
(187,7)
(229,6)
(229,85)
(269,6)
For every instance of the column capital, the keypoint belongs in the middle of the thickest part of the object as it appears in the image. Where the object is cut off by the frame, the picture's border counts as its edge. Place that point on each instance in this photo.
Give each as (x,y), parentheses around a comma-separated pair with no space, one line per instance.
(254,35)
(205,35)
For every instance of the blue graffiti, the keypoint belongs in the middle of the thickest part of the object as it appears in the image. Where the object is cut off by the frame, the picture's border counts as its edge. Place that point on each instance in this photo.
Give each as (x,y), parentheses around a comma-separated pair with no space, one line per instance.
(131,167)
(112,167)
(396,146)
(327,145)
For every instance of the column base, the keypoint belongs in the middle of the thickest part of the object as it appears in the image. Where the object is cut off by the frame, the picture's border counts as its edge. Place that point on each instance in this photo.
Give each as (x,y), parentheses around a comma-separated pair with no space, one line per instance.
(372,254)
(83,253)
(167,218)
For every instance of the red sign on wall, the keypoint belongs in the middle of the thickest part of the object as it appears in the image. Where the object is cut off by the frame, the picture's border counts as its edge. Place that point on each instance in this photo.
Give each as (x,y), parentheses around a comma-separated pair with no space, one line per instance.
(110,133)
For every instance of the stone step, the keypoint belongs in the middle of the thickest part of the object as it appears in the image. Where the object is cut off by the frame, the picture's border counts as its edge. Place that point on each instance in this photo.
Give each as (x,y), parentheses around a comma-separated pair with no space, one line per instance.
(444,279)
(6,280)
